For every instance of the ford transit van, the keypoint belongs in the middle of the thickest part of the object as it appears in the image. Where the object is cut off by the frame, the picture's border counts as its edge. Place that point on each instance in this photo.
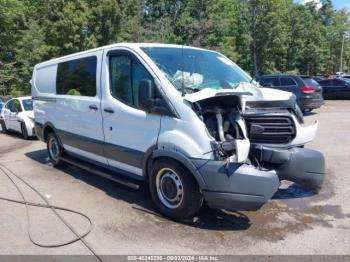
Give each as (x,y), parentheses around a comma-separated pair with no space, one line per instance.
(186,120)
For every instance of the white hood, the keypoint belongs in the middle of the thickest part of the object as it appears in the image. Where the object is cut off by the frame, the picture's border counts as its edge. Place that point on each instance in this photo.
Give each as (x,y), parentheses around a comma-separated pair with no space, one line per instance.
(263,94)
(208,92)
(246,90)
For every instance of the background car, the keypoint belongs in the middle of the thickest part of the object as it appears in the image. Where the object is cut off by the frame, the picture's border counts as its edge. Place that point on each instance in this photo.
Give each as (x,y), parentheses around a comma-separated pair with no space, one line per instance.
(306,89)
(18,115)
(318,78)
(2,103)
(345,76)
(337,88)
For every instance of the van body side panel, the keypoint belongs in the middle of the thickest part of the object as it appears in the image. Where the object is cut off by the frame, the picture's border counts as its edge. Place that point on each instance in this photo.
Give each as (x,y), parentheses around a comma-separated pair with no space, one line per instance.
(129,132)
(189,137)
(76,116)
(79,124)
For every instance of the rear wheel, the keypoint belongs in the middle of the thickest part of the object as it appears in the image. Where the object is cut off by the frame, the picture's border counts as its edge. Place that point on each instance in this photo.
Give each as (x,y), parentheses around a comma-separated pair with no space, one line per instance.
(54,150)
(24,131)
(174,190)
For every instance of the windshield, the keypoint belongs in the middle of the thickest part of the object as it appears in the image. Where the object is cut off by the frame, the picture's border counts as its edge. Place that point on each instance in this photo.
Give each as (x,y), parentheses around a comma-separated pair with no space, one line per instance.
(311,82)
(191,70)
(346,80)
(27,104)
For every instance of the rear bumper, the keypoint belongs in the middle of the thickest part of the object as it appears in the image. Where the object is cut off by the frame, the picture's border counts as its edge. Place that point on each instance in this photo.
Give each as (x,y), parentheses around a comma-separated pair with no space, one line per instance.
(234,186)
(310,103)
(300,165)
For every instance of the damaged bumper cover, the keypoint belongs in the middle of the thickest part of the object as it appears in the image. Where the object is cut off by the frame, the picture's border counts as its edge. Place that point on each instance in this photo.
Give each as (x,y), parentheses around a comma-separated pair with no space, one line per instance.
(300,165)
(234,186)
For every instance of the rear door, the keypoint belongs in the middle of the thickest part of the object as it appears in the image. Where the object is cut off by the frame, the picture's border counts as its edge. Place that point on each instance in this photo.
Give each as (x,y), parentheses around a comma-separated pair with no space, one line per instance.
(288,84)
(15,110)
(345,89)
(129,131)
(270,82)
(327,86)
(78,116)
(339,89)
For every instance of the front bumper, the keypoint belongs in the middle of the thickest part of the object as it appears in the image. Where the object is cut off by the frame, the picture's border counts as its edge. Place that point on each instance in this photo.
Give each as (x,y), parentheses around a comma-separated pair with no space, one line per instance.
(300,165)
(234,186)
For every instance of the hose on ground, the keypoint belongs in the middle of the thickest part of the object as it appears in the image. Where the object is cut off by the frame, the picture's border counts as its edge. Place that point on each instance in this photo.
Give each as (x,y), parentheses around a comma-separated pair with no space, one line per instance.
(8,173)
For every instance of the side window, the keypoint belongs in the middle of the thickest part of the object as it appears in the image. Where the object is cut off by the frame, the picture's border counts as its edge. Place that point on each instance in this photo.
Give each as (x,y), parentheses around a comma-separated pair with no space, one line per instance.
(287,81)
(125,75)
(270,82)
(9,105)
(77,77)
(16,106)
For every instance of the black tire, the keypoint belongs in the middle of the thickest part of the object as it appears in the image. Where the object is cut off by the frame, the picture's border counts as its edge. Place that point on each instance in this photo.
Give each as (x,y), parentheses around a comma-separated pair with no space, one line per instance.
(24,131)
(305,111)
(52,141)
(3,126)
(191,198)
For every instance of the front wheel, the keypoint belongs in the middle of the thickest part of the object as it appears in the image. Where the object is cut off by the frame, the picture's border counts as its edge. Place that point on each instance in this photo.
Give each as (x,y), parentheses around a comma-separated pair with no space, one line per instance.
(174,190)
(24,131)
(54,150)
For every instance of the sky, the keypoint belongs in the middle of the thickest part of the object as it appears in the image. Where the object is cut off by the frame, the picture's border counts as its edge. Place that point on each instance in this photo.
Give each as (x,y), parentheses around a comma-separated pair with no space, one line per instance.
(338,4)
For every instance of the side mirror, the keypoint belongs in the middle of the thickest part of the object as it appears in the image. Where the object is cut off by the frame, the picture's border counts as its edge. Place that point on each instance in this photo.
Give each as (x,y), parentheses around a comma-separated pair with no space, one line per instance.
(146,95)
(148,101)
(15,110)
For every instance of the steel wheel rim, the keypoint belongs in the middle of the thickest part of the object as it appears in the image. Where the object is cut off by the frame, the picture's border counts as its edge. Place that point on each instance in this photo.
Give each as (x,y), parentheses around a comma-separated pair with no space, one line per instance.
(53,149)
(169,188)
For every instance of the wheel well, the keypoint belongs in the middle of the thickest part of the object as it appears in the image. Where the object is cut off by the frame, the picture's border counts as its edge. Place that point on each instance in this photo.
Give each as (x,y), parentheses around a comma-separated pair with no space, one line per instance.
(152,160)
(47,130)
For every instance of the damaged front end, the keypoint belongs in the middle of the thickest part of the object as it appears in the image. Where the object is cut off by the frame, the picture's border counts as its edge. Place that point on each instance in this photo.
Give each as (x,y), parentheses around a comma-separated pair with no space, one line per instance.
(234,124)
(221,115)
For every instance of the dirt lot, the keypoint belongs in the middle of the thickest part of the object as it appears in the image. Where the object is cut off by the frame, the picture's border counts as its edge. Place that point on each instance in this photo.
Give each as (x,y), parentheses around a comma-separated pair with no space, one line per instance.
(296,221)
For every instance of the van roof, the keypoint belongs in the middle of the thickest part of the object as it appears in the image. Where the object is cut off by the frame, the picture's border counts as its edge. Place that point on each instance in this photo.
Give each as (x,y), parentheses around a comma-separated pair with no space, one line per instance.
(130,45)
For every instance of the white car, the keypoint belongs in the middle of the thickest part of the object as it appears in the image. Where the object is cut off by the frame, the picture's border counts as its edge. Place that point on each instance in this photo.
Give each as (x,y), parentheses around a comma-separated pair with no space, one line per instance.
(17,115)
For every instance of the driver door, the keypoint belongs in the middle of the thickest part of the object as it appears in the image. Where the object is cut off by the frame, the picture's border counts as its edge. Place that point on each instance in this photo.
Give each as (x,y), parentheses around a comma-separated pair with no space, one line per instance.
(15,110)
(8,114)
(129,132)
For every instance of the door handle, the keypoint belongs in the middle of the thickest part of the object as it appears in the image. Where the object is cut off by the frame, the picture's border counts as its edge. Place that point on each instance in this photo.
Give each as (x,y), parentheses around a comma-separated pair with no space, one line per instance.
(109,110)
(93,107)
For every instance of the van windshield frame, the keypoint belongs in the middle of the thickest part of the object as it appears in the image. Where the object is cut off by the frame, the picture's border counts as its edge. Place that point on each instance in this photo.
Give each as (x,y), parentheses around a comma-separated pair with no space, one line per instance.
(191,69)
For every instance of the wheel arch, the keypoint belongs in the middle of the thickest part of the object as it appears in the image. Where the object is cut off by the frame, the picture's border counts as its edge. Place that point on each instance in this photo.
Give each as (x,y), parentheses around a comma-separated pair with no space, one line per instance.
(182,159)
(49,127)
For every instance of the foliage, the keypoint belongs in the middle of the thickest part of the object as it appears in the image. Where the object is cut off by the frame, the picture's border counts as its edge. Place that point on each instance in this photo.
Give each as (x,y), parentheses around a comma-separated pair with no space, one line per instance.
(270,36)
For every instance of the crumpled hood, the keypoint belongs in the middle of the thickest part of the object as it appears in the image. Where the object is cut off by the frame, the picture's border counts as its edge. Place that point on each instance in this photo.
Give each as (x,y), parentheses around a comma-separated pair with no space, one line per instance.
(248,91)
(262,93)
(208,93)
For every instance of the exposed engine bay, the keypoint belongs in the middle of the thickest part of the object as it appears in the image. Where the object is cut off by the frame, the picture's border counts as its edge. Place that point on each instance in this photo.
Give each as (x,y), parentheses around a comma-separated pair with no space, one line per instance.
(222,117)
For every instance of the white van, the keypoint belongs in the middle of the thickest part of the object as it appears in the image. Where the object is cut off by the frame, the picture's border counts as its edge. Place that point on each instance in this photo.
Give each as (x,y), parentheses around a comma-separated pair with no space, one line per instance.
(177,117)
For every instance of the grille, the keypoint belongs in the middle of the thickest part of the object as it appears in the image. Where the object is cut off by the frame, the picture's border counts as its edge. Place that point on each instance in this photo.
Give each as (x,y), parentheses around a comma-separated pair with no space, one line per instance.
(270,129)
